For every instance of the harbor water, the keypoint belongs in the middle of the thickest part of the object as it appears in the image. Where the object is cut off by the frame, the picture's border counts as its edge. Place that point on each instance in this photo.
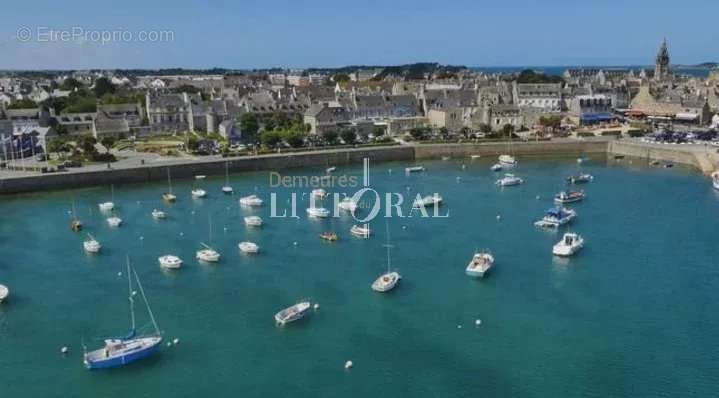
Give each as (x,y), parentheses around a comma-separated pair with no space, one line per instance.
(632,314)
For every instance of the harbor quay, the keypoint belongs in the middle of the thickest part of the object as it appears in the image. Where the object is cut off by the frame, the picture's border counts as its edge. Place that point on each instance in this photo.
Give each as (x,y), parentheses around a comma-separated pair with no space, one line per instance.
(705,159)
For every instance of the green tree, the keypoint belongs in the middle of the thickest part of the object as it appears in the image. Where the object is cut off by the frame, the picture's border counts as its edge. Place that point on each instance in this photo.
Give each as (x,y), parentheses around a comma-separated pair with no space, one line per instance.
(103,86)
(70,84)
(22,104)
(59,146)
(87,144)
(485,128)
(349,136)
(249,125)
(270,139)
(295,139)
(108,141)
(340,78)
(418,133)
(551,121)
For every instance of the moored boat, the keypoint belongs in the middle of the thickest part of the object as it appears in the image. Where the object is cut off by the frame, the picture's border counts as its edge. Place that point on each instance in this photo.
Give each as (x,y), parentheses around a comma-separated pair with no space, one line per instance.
(253,221)
(348,204)
(251,201)
(169,196)
(556,217)
(318,212)
(292,313)
(106,206)
(158,214)
(507,160)
(715,180)
(569,196)
(227,189)
(496,167)
(4,292)
(389,279)
(480,264)
(170,261)
(120,351)
(427,201)
(329,236)
(361,231)
(570,244)
(580,178)
(75,223)
(248,247)
(207,254)
(509,180)
(414,169)
(114,221)
(91,244)
(198,193)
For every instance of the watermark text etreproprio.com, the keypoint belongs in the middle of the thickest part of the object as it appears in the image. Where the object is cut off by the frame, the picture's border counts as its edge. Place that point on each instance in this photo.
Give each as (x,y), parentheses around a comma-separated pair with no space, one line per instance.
(79,34)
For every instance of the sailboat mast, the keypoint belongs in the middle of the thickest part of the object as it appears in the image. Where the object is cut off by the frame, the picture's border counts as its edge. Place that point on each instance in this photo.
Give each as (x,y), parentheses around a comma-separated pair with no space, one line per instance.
(209,234)
(129,289)
(169,181)
(112,192)
(388,249)
(227,173)
(144,298)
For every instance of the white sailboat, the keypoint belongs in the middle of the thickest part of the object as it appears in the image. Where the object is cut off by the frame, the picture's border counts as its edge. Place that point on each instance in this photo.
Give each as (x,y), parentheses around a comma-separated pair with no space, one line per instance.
(361,231)
(75,223)
(715,180)
(292,313)
(114,221)
(253,221)
(509,180)
(428,201)
(198,192)
(169,196)
(227,189)
(508,159)
(251,201)
(208,254)
(388,280)
(318,212)
(158,214)
(348,204)
(91,244)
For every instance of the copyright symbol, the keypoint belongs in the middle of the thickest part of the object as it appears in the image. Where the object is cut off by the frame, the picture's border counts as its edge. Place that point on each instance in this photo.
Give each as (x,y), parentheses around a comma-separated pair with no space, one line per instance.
(24,34)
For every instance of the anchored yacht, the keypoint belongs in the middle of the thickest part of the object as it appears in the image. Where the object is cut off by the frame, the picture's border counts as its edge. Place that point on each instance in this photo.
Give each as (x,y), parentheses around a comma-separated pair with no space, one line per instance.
(570,244)
(480,264)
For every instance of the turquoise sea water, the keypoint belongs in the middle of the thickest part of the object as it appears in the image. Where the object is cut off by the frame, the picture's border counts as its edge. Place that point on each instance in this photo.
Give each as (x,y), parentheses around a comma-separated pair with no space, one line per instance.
(633,314)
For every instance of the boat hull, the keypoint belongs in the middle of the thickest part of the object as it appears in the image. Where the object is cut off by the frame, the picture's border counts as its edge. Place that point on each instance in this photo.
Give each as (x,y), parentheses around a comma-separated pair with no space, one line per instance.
(716,185)
(476,273)
(121,360)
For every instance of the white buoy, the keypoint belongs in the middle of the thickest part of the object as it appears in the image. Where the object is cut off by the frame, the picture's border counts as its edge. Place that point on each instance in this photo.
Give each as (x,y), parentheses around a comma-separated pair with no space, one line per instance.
(459,326)
(169,344)
(64,350)
(175,341)
(404,227)
(389,171)
(537,197)
(478,322)
(134,292)
(119,274)
(348,364)
(317,306)
(182,234)
(464,167)
(295,243)
(499,217)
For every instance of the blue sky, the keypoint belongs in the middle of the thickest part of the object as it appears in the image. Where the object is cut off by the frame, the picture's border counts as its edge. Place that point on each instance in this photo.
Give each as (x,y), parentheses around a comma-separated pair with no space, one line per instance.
(252,34)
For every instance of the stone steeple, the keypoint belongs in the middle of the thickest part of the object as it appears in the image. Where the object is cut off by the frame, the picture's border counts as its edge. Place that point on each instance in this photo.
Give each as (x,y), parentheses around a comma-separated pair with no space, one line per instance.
(661,66)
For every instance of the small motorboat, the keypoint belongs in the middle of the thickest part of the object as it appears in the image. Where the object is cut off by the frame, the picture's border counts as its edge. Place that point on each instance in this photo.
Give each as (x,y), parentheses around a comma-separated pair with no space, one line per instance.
(428,201)
(348,204)
(569,197)
(475,156)
(580,179)
(199,193)
(329,236)
(170,262)
(715,180)
(106,206)
(496,167)
(570,244)
(318,212)
(158,214)
(253,221)
(480,264)
(248,247)
(293,313)
(507,160)
(319,193)
(509,180)
(251,201)
(227,190)
(91,244)
(445,158)
(4,292)
(556,217)
(330,170)
(414,169)
(200,177)
(386,282)
(208,254)
(361,231)
(114,221)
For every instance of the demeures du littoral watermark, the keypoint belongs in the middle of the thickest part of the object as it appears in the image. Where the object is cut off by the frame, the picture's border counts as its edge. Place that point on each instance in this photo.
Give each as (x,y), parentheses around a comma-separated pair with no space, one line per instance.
(79,34)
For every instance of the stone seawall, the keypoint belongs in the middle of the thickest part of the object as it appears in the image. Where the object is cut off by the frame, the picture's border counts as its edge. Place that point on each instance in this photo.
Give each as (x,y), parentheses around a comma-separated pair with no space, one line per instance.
(180,169)
(541,148)
(705,159)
